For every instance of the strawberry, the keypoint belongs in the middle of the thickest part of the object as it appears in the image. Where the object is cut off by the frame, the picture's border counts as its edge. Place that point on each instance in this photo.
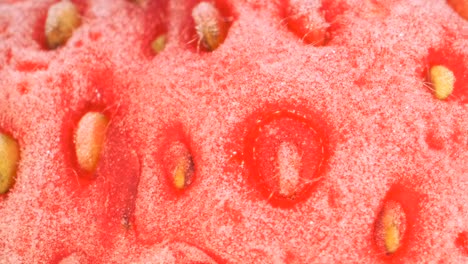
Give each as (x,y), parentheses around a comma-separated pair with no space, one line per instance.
(288,131)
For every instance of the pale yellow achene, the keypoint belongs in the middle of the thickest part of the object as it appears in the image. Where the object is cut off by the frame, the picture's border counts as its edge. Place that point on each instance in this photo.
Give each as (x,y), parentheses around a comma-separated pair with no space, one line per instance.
(9,157)
(89,138)
(390,227)
(443,81)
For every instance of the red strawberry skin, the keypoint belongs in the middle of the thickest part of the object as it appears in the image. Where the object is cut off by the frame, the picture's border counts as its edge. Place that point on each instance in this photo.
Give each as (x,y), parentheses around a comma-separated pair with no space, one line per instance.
(363,93)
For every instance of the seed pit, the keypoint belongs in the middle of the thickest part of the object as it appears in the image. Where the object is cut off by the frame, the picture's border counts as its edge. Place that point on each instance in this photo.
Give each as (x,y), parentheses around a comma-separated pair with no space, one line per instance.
(435,140)
(153,19)
(62,20)
(285,154)
(89,140)
(307,21)
(9,158)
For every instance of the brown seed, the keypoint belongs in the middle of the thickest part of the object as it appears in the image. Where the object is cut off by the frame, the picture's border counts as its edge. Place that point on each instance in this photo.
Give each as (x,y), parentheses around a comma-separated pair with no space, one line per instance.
(9,157)
(443,81)
(210,26)
(90,136)
(390,227)
(62,19)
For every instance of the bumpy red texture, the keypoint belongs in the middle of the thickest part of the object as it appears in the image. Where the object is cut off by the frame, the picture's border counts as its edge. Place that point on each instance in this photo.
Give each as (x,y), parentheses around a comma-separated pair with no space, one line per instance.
(290,149)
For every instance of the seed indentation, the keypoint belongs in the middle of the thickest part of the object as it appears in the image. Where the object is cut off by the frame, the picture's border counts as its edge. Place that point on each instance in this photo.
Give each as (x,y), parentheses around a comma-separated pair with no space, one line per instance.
(285,154)
(307,21)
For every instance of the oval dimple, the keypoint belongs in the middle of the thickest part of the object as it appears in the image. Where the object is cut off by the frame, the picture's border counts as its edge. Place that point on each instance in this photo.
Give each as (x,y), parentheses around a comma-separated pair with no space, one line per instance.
(285,155)
(306,20)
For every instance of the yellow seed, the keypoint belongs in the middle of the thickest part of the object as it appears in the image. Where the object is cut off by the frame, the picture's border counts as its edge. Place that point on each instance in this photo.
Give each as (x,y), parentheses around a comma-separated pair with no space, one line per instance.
(159,44)
(443,81)
(392,233)
(391,225)
(90,136)
(9,157)
(181,167)
(209,25)
(183,172)
(62,19)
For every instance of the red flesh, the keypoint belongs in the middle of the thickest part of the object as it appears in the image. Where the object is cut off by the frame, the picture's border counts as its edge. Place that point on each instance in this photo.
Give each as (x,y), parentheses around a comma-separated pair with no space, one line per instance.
(387,137)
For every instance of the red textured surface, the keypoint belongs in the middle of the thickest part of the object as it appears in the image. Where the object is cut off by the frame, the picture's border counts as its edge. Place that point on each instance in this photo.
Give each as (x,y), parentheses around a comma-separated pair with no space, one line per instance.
(387,136)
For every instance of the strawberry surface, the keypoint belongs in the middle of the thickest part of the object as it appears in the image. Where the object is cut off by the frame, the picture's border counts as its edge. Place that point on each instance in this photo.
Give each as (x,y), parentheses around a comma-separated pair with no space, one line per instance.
(251,132)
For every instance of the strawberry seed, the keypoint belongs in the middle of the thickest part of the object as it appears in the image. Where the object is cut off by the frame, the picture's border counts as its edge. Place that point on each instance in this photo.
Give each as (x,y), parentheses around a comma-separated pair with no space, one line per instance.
(443,81)
(181,166)
(210,26)
(62,19)
(159,43)
(390,227)
(89,139)
(9,157)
